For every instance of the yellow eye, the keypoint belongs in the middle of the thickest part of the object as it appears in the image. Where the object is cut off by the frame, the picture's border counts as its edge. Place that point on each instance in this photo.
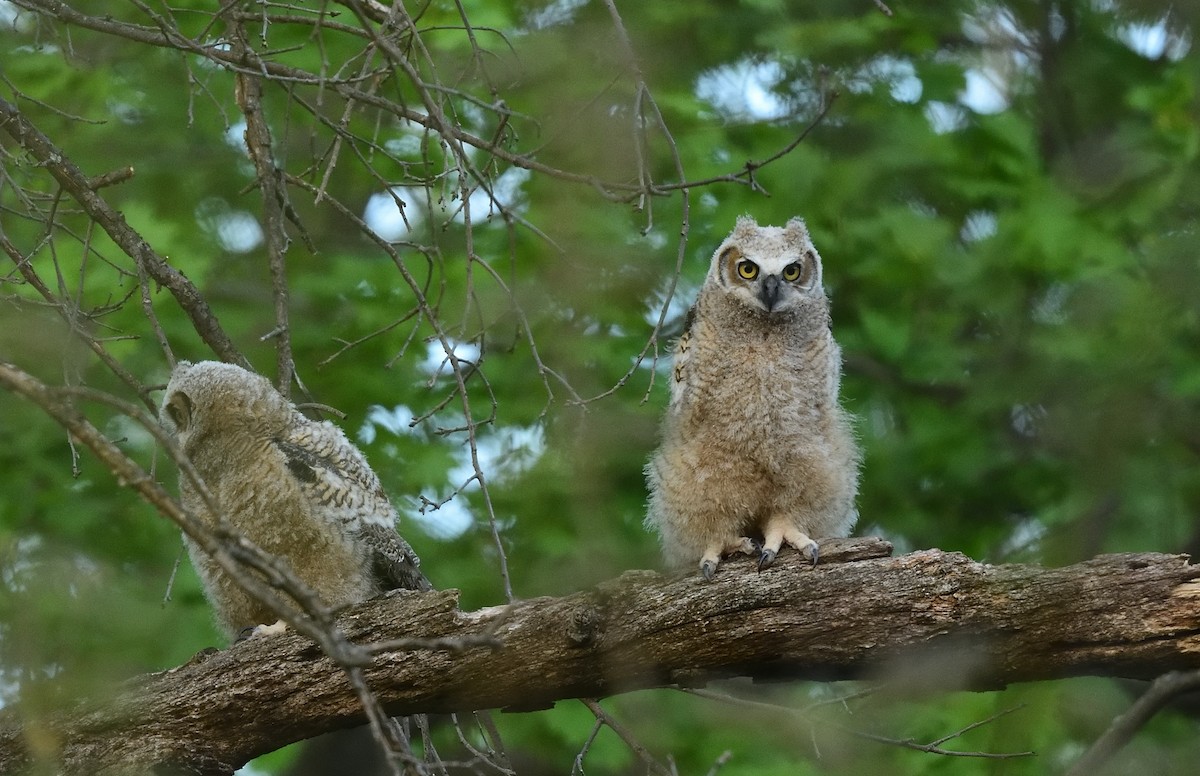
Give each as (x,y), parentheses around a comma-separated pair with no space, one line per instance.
(747,270)
(791,273)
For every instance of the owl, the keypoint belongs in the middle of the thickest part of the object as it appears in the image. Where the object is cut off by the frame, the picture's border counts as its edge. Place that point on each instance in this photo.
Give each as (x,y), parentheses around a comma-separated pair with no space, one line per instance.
(756,451)
(295,487)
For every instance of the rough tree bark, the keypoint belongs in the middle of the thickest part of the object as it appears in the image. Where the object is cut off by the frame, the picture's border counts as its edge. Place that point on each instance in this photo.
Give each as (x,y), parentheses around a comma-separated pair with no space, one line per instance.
(859,613)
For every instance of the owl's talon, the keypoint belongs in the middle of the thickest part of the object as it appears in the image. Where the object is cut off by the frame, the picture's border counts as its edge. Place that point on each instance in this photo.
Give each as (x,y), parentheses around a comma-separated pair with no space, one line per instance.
(250,631)
(708,569)
(766,558)
(816,550)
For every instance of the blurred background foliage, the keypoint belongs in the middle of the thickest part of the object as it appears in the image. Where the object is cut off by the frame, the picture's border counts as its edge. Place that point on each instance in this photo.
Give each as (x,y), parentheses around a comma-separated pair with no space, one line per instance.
(1004,194)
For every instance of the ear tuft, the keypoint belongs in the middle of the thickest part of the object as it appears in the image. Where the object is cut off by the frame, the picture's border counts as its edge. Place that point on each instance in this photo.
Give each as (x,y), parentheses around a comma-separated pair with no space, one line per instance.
(796,229)
(745,226)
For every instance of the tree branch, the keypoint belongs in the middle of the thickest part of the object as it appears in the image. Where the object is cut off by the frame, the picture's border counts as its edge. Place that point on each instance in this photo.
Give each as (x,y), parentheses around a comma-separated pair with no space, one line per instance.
(166,36)
(857,613)
(1162,691)
(249,95)
(78,185)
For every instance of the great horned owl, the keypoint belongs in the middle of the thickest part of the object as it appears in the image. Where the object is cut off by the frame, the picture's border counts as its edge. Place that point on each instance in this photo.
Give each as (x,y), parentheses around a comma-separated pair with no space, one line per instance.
(295,487)
(756,451)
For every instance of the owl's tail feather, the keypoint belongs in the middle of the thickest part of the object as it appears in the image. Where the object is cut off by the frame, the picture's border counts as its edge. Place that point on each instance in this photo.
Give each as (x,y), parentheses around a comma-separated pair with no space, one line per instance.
(394,564)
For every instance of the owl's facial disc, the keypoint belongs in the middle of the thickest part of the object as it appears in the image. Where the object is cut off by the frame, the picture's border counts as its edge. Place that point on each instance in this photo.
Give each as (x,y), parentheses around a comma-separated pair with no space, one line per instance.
(775,280)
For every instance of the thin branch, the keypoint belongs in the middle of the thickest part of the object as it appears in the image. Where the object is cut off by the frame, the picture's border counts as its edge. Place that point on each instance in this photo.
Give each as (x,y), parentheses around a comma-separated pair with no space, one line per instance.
(148,311)
(720,762)
(745,176)
(933,747)
(635,746)
(63,309)
(577,766)
(614,190)
(495,756)
(1161,692)
(456,364)
(645,98)
(72,179)
(248,91)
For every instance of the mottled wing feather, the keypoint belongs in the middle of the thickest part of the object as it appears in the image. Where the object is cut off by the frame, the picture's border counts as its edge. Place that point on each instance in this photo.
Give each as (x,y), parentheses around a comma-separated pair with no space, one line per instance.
(334,474)
(683,353)
(393,562)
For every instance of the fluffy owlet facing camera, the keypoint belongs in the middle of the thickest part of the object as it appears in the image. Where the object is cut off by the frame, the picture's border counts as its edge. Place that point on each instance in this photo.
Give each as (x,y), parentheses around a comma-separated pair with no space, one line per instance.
(756,451)
(295,487)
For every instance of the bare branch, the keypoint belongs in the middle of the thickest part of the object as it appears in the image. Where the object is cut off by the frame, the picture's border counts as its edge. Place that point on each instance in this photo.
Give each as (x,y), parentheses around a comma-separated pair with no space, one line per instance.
(1116,615)
(640,751)
(1123,728)
(348,89)
(78,185)
(248,90)
(25,268)
(933,747)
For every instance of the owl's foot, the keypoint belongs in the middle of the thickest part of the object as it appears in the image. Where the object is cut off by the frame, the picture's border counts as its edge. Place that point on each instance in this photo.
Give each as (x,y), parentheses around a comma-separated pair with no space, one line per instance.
(714,553)
(250,631)
(781,532)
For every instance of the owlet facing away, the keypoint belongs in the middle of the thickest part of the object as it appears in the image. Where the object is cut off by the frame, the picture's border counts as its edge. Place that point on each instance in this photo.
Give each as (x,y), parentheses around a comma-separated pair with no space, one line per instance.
(295,487)
(756,451)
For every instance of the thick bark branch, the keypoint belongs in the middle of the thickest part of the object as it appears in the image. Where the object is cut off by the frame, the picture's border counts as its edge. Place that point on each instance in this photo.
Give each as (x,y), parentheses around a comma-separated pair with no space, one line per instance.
(859,613)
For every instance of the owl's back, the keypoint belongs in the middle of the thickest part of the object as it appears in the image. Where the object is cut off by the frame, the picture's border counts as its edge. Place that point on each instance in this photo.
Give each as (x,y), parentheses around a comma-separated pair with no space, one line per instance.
(295,487)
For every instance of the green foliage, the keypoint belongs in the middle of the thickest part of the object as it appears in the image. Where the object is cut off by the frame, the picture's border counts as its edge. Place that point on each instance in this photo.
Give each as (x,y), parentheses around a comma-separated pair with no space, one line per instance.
(1014,289)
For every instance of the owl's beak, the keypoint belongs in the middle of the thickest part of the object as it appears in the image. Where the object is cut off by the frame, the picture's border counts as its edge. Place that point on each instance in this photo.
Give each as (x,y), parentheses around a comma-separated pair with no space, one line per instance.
(769,293)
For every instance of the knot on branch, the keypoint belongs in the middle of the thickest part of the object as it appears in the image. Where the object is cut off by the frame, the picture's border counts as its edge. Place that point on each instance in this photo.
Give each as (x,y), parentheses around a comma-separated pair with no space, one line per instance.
(585,627)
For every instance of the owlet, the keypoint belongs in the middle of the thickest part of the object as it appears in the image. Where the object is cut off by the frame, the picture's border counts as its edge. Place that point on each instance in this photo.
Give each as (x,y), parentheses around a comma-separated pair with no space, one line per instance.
(756,452)
(295,487)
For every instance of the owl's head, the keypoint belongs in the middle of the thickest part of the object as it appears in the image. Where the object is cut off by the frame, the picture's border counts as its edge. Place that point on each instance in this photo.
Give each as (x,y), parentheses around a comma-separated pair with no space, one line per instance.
(775,270)
(213,400)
